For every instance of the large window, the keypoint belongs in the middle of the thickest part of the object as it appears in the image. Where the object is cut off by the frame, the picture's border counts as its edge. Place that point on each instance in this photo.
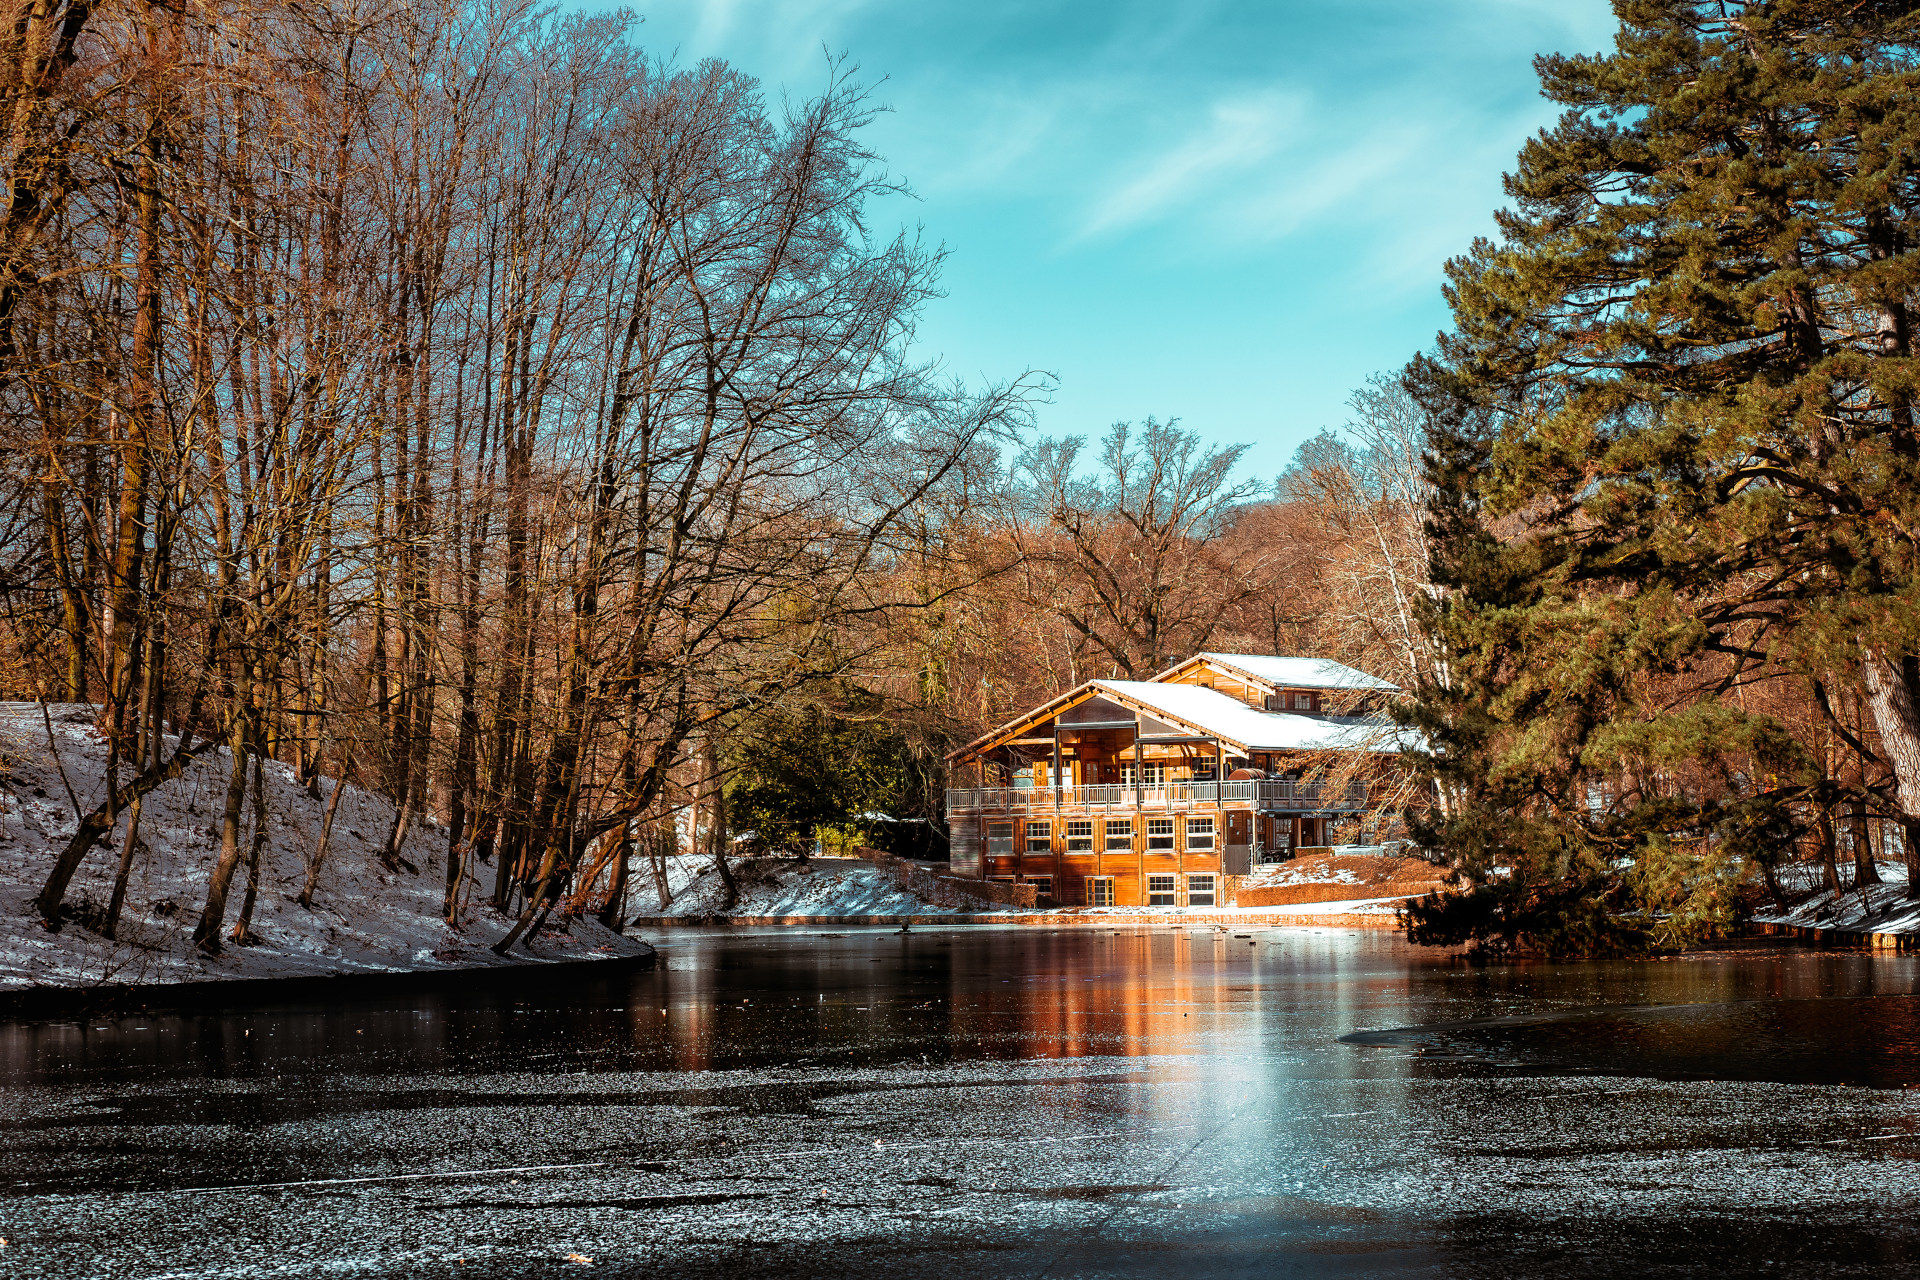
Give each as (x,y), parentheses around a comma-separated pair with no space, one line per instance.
(1161,892)
(1152,776)
(1200,891)
(1199,835)
(1039,837)
(1119,835)
(1100,891)
(1042,886)
(1159,833)
(1303,702)
(1080,836)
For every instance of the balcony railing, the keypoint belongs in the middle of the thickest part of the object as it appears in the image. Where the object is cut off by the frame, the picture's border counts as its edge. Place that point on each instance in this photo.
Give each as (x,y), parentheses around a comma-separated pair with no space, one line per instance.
(1259,793)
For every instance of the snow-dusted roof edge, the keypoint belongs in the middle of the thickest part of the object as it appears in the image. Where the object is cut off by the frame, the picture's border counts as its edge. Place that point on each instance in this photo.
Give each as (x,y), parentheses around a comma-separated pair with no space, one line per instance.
(1337,675)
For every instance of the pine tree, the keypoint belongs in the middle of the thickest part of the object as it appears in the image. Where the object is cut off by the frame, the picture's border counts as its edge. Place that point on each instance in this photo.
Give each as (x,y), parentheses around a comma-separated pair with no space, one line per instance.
(1674,446)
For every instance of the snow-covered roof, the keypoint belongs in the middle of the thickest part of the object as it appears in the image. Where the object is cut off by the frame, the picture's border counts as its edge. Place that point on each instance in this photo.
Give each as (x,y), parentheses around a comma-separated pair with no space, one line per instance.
(1297,673)
(1213,712)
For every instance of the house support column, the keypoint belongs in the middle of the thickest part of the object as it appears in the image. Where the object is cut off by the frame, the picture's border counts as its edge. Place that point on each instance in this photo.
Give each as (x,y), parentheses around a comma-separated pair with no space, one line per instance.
(1139,814)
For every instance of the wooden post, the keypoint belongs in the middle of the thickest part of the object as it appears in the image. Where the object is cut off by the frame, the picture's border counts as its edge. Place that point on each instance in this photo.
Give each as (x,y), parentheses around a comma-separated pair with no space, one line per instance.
(1220,805)
(1140,809)
(1056,769)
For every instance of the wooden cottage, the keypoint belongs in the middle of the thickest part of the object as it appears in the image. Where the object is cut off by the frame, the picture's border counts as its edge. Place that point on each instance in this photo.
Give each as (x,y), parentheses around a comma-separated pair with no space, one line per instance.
(1146,792)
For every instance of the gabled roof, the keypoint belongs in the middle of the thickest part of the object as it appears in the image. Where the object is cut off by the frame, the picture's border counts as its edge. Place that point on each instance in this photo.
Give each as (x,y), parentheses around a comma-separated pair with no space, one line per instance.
(1215,714)
(1279,672)
(1210,713)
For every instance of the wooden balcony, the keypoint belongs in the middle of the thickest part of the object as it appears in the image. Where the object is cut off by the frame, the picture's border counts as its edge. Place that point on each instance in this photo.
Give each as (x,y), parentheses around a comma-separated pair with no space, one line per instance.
(1265,795)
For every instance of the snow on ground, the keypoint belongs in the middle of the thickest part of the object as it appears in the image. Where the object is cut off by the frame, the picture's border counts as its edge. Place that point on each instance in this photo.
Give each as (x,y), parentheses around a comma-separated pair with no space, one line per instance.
(643,892)
(1349,864)
(365,919)
(1875,908)
(782,886)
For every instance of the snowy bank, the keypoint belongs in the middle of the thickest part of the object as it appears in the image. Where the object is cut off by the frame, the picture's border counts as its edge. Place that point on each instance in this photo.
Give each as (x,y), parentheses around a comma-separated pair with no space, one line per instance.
(365,919)
(780,886)
(1888,907)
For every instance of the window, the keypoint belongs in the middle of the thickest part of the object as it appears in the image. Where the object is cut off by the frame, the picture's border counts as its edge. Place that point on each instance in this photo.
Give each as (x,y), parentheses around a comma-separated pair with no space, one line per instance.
(1161,892)
(1100,891)
(1200,891)
(1159,833)
(1042,886)
(1199,834)
(1039,837)
(1080,836)
(1000,837)
(1153,776)
(1119,835)
(1303,702)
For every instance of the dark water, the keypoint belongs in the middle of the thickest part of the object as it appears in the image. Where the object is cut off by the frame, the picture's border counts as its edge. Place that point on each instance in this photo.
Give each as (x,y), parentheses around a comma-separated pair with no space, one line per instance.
(987,1103)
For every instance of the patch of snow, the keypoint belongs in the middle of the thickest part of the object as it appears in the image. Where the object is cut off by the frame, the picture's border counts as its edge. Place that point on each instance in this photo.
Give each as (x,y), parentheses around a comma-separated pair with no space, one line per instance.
(1889,907)
(818,887)
(365,918)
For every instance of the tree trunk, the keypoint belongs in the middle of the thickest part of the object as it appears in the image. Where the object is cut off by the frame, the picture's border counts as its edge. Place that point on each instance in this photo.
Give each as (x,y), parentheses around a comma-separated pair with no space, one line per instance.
(243,928)
(1827,851)
(100,821)
(1864,870)
(1896,714)
(326,834)
(206,934)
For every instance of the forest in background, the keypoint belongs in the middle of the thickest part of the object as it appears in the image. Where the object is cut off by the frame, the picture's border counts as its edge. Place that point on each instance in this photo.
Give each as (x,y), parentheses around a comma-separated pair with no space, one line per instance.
(458,401)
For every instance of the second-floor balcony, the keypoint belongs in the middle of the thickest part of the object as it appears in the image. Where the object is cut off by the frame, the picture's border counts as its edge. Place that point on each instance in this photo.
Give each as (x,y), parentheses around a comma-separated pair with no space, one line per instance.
(1278,795)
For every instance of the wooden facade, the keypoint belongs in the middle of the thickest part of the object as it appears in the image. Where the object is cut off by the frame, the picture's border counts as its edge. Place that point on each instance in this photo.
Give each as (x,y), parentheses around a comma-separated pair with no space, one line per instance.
(1146,793)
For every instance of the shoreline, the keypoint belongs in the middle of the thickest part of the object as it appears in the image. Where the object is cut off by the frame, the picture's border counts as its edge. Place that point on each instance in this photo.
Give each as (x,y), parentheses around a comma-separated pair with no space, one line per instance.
(1040,919)
(1837,939)
(240,993)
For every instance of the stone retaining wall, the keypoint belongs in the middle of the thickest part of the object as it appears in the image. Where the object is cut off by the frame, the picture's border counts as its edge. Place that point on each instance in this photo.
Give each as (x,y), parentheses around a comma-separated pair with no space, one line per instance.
(1850,938)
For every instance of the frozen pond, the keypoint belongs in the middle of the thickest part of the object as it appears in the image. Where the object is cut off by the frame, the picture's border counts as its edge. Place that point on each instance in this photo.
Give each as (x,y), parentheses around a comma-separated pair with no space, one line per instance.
(987,1103)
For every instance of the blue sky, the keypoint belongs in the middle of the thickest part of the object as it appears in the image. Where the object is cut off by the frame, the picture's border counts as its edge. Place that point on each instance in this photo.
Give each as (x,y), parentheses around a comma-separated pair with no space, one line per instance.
(1229,213)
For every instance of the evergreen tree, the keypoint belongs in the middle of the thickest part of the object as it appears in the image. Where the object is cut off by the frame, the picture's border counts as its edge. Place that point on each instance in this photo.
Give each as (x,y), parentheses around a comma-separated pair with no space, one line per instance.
(1674,445)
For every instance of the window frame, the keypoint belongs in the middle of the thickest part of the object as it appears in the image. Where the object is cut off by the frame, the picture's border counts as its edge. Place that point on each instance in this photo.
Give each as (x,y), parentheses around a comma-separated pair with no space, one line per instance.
(1079,842)
(1211,831)
(1153,835)
(1207,897)
(1042,886)
(1124,828)
(1100,891)
(1303,702)
(1171,891)
(1045,828)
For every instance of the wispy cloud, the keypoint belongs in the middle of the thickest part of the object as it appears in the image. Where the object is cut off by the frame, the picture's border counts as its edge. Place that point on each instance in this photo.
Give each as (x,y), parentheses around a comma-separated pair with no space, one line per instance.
(1238,134)
(779,37)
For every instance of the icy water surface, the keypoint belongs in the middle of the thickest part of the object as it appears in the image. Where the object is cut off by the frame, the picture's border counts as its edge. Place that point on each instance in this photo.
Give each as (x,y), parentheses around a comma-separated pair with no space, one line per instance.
(984,1103)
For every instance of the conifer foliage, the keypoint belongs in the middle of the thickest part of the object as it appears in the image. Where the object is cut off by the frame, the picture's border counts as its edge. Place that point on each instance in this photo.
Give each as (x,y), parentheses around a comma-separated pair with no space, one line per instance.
(1675,459)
